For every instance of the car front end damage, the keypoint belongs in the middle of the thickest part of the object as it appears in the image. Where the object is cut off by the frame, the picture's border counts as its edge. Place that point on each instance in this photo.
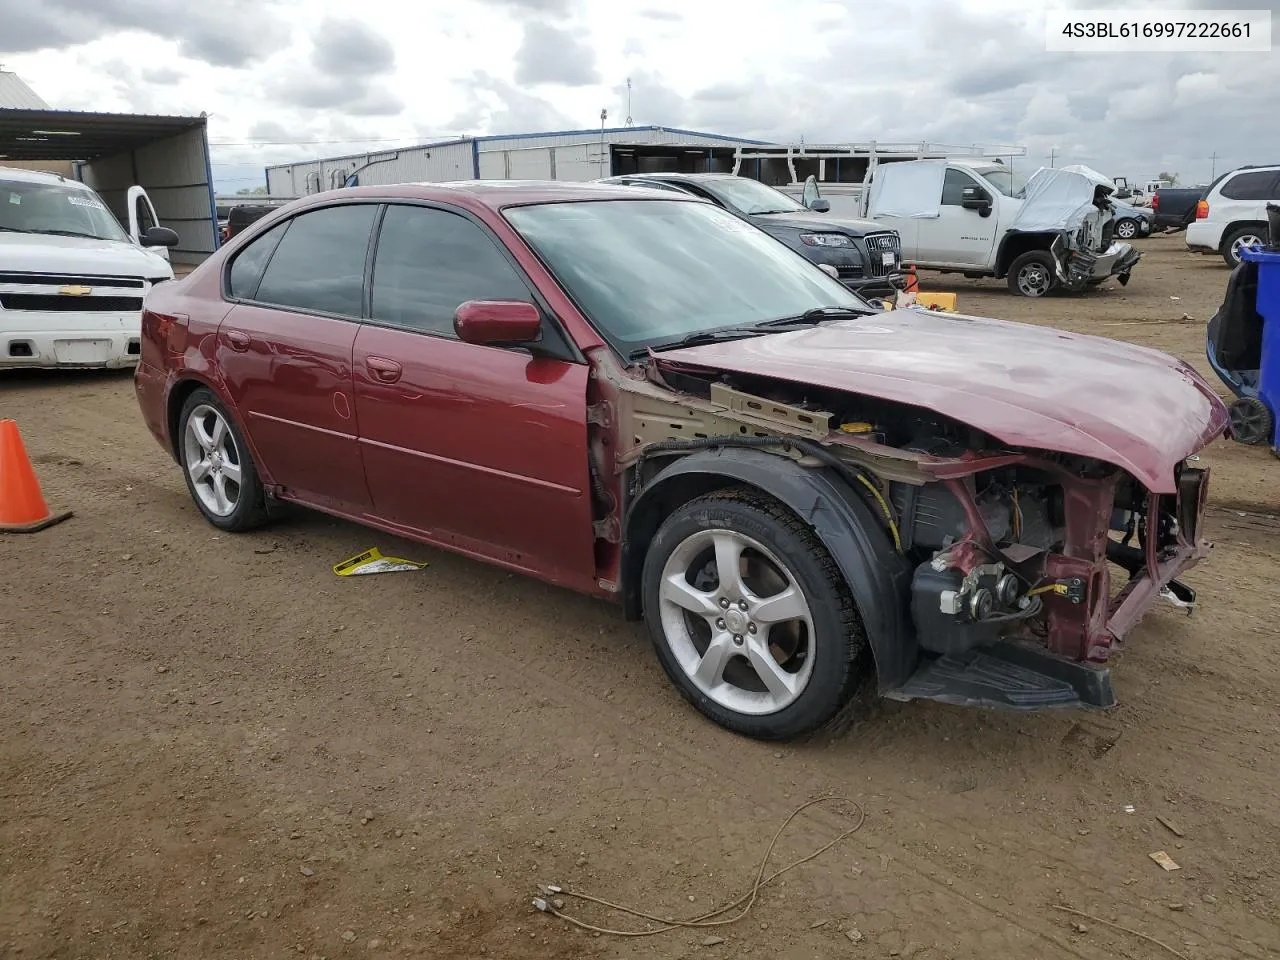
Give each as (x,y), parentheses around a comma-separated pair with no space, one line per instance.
(1079,263)
(1008,571)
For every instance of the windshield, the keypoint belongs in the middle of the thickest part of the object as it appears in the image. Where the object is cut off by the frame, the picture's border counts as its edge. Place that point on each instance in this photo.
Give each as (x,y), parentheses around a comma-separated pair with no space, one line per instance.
(750,197)
(1008,182)
(648,272)
(29,207)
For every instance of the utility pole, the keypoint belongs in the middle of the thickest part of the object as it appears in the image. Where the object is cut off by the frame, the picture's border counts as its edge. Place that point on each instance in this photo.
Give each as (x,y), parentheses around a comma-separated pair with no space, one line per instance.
(604,115)
(1213,170)
(1053,154)
(628,122)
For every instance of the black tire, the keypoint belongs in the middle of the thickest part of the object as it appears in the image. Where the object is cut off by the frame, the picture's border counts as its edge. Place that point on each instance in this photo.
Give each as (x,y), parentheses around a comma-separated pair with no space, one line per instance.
(1231,239)
(250,509)
(838,639)
(1034,263)
(1126,228)
(1251,421)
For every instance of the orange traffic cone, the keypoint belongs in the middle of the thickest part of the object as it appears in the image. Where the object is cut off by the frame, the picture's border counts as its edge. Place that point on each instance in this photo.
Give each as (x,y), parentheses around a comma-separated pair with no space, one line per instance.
(22,506)
(913,284)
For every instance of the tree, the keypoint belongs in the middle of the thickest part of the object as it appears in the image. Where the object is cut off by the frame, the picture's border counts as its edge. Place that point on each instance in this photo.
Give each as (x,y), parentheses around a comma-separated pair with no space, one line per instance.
(252,192)
(1172,178)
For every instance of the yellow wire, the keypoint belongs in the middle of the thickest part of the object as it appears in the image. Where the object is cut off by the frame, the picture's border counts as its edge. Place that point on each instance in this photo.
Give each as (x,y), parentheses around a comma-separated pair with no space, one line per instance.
(707,919)
(888,514)
(1059,588)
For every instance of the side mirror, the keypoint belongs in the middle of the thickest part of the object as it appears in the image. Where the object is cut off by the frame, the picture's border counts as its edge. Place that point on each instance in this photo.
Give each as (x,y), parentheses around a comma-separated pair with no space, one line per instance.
(820,205)
(974,199)
(158,237)
(829,270)
(497,322)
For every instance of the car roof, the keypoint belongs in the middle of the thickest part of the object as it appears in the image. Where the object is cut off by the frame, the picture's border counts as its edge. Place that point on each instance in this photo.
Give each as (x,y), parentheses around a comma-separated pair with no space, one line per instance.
(21,175)
(496,194)
(694,177)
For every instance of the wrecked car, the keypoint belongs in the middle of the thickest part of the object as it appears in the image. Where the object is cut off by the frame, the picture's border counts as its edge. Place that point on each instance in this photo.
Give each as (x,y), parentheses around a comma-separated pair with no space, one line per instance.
(1054,231)
(796,491)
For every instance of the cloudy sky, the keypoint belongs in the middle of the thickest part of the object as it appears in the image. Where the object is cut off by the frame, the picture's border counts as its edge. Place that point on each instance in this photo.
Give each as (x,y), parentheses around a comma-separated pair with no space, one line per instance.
(291,79)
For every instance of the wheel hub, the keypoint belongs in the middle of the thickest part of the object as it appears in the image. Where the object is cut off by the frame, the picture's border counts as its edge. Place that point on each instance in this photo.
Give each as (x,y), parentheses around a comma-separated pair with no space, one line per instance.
(736,621)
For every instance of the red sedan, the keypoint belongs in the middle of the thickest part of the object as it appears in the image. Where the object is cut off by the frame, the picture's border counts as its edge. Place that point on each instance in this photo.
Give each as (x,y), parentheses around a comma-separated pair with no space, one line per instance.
(640,396)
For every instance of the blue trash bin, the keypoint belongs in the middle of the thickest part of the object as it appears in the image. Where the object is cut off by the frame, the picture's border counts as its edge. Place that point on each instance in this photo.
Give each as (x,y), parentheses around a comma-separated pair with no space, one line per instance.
(1268,307)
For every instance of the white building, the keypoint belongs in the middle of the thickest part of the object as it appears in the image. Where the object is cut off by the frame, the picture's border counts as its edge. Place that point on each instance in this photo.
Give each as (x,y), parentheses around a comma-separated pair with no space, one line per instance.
(574,155)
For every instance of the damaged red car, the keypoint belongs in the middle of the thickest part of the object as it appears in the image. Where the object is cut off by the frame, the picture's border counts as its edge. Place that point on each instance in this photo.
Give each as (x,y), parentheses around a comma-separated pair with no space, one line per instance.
(638,395)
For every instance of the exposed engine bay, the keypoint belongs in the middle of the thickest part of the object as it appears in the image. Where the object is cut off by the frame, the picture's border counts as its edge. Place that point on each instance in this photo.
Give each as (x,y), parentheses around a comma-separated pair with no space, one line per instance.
(1021,548)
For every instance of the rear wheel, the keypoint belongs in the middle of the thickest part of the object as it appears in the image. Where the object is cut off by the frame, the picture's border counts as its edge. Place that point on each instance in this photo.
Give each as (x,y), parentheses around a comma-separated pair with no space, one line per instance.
(1127,228)
(220,473)
(1237,240)
(1033,274)
(750,616)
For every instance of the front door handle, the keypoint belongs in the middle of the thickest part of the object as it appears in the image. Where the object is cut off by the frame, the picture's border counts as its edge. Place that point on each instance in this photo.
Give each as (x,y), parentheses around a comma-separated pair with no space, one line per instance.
(238,341)
(383,370)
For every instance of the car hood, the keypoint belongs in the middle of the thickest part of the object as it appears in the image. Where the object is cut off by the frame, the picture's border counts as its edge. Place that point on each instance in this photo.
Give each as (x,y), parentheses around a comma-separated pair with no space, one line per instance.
(820,223)
(44,253)
(1028,386)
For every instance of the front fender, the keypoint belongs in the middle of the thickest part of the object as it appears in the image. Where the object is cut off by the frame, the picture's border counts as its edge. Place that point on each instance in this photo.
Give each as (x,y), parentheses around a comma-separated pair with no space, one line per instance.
(878,577)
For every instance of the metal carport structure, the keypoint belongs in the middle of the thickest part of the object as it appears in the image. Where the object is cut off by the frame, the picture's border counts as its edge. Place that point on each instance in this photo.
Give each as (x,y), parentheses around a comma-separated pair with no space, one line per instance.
(166,156)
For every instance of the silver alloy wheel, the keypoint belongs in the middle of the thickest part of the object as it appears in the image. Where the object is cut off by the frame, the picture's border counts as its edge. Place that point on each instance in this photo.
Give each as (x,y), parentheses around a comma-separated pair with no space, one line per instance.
(737,622)
(212,460)
(1245,240)
(1033,280)
(1126,229)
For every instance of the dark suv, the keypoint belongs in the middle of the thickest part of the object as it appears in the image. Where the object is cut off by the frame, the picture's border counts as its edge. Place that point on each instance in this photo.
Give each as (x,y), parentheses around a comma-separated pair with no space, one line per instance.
(863,253)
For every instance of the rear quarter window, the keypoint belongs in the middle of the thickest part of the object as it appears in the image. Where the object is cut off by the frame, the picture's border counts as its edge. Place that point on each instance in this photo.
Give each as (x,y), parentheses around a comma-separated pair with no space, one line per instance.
(1256,185)
(248,266)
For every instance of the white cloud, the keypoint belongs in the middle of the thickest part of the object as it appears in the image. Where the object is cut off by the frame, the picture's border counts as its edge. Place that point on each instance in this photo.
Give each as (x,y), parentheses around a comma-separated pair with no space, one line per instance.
(322,73)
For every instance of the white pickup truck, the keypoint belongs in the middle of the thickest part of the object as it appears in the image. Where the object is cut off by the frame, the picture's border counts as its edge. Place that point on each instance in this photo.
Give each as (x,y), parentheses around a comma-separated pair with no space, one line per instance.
(978,217)
(72,279)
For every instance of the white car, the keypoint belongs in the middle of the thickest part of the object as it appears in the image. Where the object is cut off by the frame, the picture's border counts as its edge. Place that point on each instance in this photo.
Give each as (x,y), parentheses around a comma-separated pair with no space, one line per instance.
(1233,214)
(72,279)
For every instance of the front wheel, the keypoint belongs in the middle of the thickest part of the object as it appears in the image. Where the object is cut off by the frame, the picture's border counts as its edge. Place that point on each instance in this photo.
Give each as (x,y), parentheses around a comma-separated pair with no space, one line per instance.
(1033,274)
(750,616)
(1127,228)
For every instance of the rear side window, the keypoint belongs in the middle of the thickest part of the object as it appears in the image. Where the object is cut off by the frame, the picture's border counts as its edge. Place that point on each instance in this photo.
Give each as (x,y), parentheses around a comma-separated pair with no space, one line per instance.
(429,262)
(1252,186)
(319,263)
(246,269)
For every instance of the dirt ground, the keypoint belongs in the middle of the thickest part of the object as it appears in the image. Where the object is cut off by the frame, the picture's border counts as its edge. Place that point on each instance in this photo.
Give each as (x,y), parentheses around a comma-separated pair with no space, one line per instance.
(212,747)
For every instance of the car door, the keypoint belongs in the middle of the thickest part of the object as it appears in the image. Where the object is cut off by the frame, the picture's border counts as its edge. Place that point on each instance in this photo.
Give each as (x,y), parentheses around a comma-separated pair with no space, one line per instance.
(961,236)
(142,217)
(284,351)
(482,448)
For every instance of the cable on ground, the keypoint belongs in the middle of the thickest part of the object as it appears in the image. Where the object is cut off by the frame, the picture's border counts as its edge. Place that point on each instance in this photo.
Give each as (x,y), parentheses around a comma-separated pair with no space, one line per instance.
(715,917)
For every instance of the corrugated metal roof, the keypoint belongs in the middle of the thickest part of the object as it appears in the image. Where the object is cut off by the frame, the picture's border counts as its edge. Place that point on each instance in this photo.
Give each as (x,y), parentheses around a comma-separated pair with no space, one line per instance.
(15,93)
(27,134)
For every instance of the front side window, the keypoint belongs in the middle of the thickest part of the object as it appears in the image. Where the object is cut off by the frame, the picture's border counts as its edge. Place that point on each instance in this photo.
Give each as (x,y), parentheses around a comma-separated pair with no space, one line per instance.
(647,272)
(1251,186)
(319,263)
(954,185)
(57,209)
(143,213)
(429,262)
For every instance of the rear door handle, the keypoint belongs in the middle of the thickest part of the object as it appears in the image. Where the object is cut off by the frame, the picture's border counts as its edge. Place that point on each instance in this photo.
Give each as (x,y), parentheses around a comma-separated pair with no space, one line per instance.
(383,370)
(238,341)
